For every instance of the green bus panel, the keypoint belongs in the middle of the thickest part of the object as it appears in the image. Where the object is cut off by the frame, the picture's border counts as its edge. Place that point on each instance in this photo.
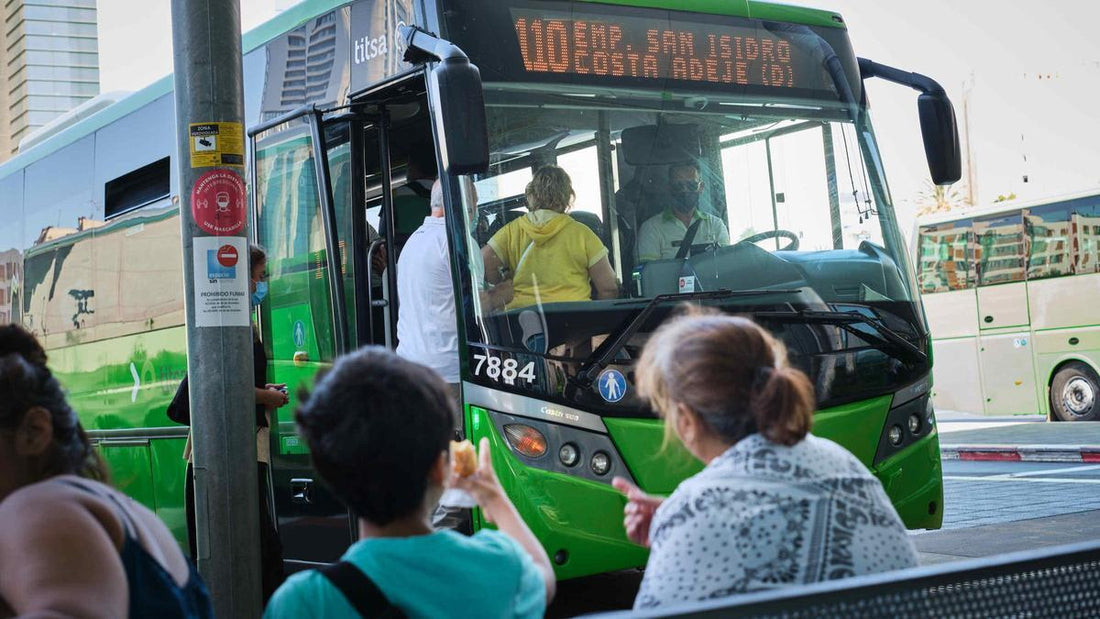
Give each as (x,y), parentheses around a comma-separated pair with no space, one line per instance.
(581,521)
(169,475)
(131,469)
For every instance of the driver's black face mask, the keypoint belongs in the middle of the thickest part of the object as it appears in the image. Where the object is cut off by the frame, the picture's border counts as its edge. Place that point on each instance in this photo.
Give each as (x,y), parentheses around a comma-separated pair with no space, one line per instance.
(685,201)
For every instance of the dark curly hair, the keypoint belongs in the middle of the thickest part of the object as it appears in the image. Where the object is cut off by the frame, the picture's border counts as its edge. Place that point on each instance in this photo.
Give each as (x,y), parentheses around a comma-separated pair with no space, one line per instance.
(375,425)
(25,383)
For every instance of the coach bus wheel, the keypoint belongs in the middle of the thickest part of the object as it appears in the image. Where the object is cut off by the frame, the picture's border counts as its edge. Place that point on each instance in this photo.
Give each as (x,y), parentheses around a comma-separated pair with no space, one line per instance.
(1075,393)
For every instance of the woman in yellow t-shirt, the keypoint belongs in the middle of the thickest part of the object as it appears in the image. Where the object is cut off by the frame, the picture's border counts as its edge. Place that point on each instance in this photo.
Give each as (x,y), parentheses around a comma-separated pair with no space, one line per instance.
(551,256)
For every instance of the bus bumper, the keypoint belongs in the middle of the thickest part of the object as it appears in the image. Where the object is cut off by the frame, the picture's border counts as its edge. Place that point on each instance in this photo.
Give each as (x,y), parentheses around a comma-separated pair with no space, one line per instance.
(913,480)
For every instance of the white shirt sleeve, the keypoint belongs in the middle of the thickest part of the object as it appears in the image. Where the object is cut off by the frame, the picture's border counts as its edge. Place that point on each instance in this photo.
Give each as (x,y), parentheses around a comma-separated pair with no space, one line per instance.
(723,233)
(649,242)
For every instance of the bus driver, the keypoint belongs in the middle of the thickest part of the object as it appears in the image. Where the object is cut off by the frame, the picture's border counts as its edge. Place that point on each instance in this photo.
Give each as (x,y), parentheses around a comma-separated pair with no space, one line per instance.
(660,236)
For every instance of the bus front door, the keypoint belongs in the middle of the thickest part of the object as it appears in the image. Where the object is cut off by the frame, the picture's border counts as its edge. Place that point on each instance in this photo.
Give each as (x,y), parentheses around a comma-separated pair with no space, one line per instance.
(303,320)
(1004,340)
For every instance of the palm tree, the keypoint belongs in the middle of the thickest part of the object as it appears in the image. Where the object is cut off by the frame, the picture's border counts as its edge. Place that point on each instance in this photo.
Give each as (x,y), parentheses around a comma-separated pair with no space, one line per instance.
(939,199)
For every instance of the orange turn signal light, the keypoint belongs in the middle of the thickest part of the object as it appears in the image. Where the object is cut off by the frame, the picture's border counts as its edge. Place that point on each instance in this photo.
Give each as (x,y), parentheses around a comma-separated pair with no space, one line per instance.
(525,440)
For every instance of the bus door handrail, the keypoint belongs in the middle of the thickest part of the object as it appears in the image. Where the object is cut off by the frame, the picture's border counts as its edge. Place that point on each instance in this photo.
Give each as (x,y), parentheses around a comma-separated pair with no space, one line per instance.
(388,219)
(371,301)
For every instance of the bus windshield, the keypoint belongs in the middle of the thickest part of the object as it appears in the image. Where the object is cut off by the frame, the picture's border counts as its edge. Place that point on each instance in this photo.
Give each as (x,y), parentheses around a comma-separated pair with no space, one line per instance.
(684,195)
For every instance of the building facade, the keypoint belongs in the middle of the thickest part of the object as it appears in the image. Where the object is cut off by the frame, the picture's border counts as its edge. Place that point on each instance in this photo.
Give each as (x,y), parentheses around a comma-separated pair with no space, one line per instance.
(50,64)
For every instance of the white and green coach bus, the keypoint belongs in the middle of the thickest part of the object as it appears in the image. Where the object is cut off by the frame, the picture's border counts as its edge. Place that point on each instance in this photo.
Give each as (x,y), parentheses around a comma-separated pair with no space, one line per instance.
(1011,295)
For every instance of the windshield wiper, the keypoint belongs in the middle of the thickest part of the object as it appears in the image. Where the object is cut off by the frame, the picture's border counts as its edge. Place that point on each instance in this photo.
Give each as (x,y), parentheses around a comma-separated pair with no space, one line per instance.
(602,356)
(884,338)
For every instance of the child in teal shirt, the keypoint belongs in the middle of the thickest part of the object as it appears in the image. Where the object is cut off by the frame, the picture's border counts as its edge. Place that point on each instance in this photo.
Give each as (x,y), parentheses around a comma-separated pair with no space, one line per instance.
(378,429)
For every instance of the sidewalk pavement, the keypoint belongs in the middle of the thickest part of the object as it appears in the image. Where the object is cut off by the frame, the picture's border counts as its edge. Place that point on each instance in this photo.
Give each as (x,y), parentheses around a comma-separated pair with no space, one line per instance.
(993,539)
(1024,438)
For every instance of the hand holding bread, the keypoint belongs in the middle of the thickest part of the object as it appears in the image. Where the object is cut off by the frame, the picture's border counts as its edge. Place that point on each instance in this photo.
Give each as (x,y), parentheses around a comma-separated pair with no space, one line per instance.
(463,458)
(475,475)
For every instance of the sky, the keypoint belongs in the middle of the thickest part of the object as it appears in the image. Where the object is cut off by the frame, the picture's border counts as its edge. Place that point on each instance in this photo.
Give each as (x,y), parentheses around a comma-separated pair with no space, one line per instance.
(1032,71)
(1034,78)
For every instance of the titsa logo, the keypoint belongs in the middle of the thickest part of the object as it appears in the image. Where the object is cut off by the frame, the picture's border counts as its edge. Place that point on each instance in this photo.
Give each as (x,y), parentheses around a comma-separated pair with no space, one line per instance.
(368,48)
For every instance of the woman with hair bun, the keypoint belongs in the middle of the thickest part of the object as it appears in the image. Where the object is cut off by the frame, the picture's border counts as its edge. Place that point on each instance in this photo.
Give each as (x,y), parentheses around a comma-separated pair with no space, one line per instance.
(70,545)
(774,506)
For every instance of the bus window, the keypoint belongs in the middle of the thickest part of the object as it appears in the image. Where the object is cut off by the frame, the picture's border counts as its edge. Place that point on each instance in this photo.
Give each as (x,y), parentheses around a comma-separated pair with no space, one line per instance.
(502,186)
(584,170)
(1049,241)
(943,260)
(801,189)
(812,168)
(1086,230)
(291,230)
(999,249)
(748,199)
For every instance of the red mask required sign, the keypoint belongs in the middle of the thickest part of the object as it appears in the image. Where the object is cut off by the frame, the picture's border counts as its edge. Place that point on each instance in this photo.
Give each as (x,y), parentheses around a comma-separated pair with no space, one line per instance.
(218,202)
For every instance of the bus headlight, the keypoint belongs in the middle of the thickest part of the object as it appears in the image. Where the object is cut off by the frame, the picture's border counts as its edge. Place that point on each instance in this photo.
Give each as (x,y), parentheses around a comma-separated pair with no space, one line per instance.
(601,463)
(525,439)
(895,435)
(568,454)
(574,451)
(909,420)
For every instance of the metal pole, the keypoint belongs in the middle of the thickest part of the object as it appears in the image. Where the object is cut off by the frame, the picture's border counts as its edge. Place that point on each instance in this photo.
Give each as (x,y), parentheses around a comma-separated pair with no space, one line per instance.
(830,179)
(206,36)
(771,185)
(391,224)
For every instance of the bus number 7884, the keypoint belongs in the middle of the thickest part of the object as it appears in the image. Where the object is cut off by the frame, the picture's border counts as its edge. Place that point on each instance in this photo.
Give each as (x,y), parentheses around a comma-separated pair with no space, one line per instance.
(507,370)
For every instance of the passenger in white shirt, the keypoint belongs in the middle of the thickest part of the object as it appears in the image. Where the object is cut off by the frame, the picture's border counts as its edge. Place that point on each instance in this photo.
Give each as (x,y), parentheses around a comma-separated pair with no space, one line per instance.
(660,236)
(427,324)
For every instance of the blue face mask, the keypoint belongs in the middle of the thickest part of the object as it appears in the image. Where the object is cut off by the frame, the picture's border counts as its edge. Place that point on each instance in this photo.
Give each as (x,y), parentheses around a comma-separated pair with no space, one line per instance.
(261,292)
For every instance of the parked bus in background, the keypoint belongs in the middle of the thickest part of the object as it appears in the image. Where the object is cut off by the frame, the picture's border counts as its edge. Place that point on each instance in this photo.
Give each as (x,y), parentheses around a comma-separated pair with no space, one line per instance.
(764,101)
(1011,294)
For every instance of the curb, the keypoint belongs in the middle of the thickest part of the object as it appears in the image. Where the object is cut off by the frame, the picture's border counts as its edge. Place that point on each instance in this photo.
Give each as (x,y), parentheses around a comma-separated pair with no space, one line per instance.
(1021,453)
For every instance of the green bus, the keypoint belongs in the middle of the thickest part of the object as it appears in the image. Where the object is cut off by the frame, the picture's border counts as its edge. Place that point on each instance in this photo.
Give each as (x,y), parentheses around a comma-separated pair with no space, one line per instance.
(1008,290)
(765,100)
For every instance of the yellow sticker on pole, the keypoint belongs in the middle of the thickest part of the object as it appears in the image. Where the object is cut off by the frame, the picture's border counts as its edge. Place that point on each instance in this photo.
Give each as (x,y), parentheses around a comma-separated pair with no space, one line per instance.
(216,144)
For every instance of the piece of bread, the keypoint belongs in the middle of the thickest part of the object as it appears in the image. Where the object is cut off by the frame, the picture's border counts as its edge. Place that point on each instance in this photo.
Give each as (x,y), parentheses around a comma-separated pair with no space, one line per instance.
(463,458)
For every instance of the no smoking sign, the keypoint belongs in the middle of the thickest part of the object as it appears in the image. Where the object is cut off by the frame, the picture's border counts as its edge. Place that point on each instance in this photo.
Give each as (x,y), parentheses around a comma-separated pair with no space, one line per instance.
(217,203)
(227,256)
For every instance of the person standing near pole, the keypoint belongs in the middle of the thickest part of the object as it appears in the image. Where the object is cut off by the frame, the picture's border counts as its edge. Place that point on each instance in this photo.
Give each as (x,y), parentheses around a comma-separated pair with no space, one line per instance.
(209,97)
(269,398)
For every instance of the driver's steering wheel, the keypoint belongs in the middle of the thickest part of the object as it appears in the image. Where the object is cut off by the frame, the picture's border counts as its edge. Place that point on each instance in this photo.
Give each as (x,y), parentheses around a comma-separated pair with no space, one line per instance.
(774,234)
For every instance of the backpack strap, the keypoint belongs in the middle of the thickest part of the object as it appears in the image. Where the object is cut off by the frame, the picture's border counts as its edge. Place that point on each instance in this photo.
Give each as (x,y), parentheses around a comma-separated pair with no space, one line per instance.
(361,592)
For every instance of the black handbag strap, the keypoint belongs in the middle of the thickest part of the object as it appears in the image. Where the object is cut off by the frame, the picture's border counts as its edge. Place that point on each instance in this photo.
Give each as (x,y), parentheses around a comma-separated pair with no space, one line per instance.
(361,592)
(689,238)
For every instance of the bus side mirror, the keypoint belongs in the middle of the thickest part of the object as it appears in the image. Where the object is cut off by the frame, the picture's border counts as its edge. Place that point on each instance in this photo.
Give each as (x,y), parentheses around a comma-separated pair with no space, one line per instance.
(460,102)
(941,137)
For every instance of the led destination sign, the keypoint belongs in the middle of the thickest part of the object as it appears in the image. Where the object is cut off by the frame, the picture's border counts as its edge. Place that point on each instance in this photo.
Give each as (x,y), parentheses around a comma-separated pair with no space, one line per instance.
(645,48)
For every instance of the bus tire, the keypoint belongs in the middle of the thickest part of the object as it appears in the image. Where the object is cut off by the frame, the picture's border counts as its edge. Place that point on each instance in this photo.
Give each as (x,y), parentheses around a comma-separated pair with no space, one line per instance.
(1075,393)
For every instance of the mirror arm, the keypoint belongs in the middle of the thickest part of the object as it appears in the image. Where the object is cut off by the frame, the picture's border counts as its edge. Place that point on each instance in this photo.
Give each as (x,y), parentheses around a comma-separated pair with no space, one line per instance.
(423,46)
(916,81)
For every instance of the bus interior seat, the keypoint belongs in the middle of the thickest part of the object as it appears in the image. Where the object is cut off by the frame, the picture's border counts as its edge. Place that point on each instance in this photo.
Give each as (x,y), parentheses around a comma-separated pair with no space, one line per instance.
(517,207)
(594,224)
(650,150)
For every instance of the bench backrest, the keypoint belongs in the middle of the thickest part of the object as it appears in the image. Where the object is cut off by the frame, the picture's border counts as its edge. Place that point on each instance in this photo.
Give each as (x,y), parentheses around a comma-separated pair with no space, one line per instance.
(1062,581)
